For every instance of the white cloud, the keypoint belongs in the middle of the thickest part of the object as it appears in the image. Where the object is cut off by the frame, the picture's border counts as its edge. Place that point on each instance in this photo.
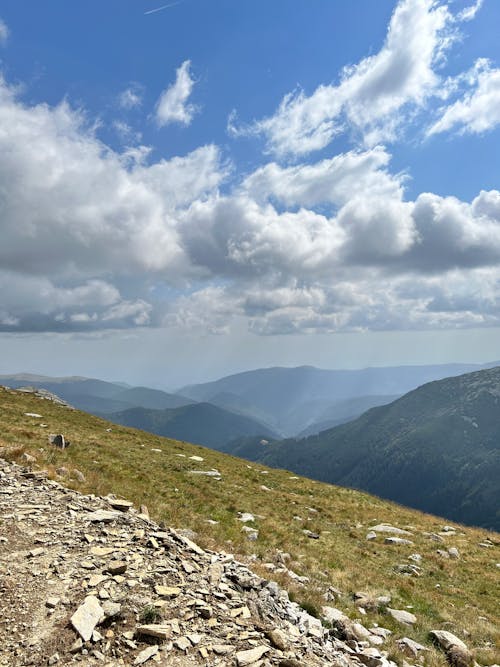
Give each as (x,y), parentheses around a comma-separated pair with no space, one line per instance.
(470,12)
(4,32)
(334,181)
(75,207)
(75,211)
(131,97)
(32,303)
(372,94)
(172,107)
(478,111)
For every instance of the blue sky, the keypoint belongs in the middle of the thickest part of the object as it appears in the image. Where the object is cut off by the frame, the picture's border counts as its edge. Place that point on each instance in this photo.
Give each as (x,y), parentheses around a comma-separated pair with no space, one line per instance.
(286,182)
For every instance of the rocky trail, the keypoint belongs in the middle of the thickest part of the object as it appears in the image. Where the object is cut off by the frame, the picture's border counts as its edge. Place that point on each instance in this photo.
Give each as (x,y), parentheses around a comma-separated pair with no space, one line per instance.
(93,581)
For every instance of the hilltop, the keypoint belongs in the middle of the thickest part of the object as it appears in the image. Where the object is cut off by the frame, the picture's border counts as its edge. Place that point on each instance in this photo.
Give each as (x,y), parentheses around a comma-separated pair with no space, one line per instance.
(323,543)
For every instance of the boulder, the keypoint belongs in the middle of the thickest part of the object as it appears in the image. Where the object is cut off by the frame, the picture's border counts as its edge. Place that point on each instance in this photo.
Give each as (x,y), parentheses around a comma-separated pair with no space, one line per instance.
(456,651)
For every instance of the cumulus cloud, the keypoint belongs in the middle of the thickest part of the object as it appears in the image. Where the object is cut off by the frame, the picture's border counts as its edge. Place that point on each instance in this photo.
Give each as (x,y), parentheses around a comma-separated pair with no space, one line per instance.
(372,93)
(479,109)
(96,239)
(4,32)
(73,210)
(334,181)
(32,303)
(173,107)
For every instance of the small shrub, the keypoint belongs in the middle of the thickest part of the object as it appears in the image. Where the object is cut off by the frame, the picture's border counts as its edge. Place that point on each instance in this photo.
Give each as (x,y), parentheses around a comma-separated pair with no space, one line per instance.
(150,614)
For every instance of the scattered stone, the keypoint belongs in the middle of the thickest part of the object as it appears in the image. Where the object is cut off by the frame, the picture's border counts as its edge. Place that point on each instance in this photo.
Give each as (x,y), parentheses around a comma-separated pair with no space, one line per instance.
(116,567)
(454,553)
(277,639)
(154,630)
(182,643)
(456,651)
(411,648)
(245,517)
(146,654)
(79,476)
(120,504)
(310,534)
(200,459)
(167,591)
(371,535)
(244,658)
(207,473)
(387,528)
(34,415)
(76,646)
(86,617)
(402,616)
(103,516)
(52,602)
(397,540)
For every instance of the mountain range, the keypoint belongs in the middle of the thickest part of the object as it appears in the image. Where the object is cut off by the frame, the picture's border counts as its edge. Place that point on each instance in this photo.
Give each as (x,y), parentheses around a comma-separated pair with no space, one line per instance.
(437,449)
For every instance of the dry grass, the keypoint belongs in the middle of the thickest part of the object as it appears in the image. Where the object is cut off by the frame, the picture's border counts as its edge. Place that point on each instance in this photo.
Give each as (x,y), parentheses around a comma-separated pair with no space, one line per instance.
(457,595)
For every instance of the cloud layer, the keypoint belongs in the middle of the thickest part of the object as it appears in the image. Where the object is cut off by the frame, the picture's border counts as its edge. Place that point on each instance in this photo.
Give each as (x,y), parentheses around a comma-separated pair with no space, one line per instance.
(94,238)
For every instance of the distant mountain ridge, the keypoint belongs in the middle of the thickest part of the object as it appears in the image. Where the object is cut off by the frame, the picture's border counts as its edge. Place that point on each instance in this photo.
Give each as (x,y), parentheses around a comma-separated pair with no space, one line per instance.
(290,400)
(436,449)
(98,396)
(199,423)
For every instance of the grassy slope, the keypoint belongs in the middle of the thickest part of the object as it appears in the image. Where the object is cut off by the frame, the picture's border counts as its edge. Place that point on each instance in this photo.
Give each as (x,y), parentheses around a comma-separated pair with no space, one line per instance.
(436,448)
(456,595)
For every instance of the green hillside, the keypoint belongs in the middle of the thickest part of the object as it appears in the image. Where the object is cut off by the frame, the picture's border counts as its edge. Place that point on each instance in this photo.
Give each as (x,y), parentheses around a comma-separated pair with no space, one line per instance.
(436,449)
(201,423)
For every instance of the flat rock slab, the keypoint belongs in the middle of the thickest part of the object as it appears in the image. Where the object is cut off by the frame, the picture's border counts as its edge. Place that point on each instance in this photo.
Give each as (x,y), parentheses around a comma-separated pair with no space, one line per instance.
(397,540)
(167,591)
(119,504)
(410,648)
(154,630)
(446,639)
(244,658)
(86,617)
(387,528)
(402,616)
(145,655)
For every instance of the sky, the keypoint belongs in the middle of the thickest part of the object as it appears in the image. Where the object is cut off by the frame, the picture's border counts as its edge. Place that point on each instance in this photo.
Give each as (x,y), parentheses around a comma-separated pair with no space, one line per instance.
(199,187)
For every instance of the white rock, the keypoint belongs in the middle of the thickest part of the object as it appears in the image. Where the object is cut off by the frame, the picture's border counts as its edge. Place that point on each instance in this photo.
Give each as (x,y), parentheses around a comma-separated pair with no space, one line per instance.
(86,617)
(402,616)
(244,658)
(103,516)
(145,655)
(397,540)
(387,528)
(446,640)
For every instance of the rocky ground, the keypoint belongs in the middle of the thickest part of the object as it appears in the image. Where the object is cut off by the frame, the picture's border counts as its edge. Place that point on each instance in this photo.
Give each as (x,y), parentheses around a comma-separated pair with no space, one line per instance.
(94,581)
